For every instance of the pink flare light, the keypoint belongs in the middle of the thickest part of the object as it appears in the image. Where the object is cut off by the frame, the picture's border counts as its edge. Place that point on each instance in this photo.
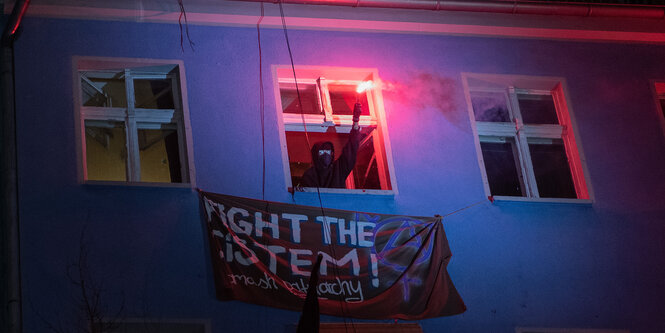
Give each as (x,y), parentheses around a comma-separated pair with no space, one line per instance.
(365,85)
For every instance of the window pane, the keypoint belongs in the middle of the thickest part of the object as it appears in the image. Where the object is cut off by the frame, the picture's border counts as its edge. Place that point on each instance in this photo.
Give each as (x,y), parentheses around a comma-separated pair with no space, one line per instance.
(105,150)
(490,106)
(300,156)
(344,97)
(308,96)
(537,109)
(550,165)
(501,165)
(103,90)
(365,173)
(159,153)
(153,94)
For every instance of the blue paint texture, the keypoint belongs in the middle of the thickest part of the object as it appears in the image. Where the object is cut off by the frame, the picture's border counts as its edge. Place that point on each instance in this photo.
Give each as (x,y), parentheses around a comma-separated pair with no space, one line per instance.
(516,264)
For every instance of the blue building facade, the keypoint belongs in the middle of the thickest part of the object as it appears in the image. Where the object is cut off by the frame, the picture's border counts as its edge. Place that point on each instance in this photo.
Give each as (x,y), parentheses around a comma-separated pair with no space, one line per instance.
(593,262)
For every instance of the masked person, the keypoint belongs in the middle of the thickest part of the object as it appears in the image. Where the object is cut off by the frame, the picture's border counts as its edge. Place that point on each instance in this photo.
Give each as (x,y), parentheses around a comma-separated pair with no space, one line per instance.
(328,171)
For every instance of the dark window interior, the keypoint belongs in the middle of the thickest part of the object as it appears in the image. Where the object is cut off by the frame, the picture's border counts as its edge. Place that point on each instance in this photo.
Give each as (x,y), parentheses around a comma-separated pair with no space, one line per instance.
(106,152)
(108,91)
(537,109)
(365,173)
(159,154)
(501,167)
(552,171)
(490,107)
(308,96)
(344,97)
(153,94)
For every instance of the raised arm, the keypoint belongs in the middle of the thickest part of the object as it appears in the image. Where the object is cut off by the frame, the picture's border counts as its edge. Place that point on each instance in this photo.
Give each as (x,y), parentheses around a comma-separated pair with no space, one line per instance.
(347,159)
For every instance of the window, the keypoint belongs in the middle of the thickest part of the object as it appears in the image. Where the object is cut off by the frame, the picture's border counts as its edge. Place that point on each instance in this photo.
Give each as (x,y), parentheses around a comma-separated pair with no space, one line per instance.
(323,112)
(526,141)
(132,122)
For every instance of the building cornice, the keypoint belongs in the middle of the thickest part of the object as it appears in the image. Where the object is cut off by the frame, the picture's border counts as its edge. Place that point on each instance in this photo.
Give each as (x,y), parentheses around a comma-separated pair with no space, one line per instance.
(335,18)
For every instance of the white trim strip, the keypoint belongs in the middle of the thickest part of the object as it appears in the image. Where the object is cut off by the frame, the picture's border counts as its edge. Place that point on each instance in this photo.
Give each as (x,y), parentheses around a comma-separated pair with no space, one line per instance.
(586,202)
(346,25)
(343,191)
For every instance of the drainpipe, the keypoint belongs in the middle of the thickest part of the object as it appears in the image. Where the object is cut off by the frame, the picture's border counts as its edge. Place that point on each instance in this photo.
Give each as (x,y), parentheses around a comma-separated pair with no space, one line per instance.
(11,317)
(506,7)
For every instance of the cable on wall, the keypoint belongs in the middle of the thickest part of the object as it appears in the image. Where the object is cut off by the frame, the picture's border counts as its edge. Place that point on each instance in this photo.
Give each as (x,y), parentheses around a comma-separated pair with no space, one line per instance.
(183,14)
(262,105)
(331,246)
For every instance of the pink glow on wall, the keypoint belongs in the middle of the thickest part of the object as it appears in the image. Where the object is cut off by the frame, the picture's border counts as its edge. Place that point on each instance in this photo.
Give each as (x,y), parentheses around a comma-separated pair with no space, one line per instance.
(425,91)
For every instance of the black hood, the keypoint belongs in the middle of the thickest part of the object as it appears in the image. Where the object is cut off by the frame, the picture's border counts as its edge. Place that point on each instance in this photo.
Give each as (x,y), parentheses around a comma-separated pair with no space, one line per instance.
(315,152)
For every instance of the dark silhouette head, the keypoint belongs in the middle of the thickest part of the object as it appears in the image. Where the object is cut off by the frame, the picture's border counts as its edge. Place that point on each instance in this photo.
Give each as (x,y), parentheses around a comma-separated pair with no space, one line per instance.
(323,154)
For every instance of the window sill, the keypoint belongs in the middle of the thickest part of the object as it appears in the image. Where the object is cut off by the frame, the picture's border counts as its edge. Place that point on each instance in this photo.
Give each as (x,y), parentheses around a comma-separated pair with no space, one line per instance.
(581,202)
(136,184)
(345,191)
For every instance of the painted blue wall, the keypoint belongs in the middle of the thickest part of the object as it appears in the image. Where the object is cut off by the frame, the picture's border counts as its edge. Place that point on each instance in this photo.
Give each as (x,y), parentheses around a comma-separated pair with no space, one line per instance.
(515,264)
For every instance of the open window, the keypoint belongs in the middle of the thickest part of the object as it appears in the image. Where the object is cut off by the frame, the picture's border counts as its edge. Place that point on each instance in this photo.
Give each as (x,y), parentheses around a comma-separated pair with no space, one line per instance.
(525,137)
(319,108)
(132,122)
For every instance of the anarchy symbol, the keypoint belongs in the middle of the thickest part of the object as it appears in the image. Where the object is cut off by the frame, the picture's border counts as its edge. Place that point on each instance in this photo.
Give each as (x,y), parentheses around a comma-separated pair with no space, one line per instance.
(409,234)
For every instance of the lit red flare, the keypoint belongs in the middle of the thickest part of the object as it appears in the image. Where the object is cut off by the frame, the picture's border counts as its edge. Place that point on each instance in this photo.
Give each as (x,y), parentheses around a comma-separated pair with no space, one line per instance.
(365,85)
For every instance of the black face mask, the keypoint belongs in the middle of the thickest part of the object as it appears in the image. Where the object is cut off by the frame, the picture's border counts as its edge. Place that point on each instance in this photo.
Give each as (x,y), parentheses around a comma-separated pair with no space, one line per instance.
(325,159)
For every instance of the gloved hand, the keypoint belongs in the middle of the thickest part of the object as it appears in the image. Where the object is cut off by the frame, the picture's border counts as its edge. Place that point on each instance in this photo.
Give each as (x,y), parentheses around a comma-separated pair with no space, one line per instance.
(356,112)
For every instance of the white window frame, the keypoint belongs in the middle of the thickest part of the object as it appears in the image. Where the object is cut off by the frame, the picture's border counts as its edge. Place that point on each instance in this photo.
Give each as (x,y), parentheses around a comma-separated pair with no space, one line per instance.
(321,77)
(511,85)
(135,118)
